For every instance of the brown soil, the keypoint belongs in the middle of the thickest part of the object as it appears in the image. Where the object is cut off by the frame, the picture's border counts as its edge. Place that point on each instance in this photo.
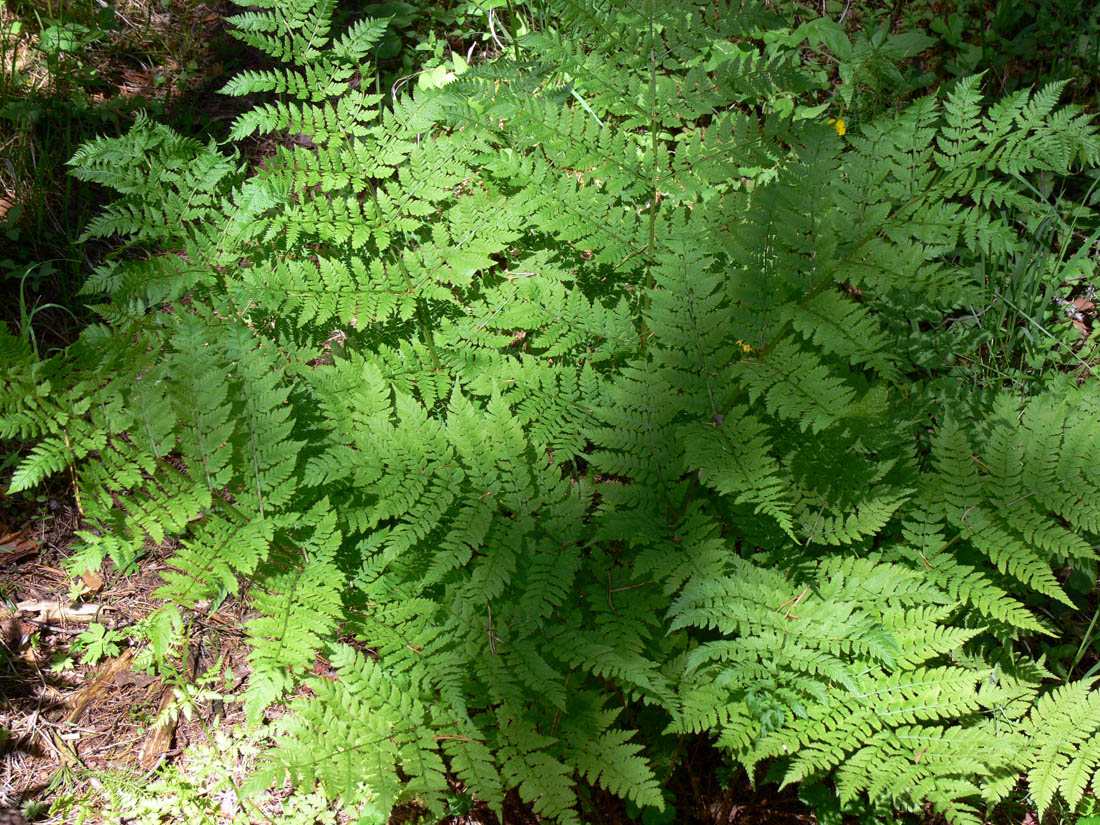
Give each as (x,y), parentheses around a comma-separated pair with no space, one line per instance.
(83,717)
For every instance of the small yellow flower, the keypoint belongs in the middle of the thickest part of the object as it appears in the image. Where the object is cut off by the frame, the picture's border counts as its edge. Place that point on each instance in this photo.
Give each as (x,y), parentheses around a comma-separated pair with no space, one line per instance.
(744,347)
(839,125)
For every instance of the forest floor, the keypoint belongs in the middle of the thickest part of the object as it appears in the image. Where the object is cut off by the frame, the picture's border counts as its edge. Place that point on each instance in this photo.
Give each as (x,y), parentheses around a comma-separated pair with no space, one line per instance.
(71,716)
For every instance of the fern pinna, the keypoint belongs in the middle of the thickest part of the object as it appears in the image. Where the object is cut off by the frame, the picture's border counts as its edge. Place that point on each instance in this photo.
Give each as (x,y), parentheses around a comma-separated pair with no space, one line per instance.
(580,405)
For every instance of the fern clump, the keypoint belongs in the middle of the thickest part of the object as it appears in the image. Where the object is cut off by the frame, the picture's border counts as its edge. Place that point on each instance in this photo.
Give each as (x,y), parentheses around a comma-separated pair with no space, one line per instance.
(580,391)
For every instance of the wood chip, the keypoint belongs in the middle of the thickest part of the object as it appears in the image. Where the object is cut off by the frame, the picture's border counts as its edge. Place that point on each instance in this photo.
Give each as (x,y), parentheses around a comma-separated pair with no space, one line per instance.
(98,686)
(159,740)
(54,610)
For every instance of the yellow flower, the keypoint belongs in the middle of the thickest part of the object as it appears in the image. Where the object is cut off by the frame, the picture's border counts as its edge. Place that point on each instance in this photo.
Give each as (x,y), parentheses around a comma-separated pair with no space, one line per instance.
(744,347)
(839,125)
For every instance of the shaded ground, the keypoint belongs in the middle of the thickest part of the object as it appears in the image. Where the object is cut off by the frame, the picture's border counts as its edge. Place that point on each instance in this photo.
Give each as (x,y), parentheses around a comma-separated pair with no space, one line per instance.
(164,57)
(61,715)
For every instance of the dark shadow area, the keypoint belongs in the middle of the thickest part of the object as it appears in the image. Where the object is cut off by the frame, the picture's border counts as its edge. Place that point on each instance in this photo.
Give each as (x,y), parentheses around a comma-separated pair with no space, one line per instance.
(70,74)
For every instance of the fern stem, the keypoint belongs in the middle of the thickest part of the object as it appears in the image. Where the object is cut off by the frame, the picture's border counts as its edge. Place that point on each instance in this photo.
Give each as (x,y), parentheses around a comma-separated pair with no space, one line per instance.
(788,325)
(673,760)
(512,31)
(421,315)
(586,797)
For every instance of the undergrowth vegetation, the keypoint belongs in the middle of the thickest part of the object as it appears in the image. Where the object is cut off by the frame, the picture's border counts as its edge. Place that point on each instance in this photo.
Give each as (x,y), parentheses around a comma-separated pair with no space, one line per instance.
(641,382)
(71,70)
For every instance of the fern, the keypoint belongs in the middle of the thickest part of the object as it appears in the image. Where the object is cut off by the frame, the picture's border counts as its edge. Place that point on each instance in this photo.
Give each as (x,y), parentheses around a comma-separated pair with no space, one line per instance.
(299,609)
(577,394)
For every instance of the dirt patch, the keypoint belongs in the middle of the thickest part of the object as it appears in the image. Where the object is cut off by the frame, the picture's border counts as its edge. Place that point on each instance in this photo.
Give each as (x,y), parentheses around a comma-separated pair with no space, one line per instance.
(63,713)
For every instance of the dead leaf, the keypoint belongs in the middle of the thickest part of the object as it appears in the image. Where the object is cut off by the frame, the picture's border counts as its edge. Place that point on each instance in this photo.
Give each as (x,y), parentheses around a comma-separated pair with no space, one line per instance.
(132,679)
(92,580)
(1084,310)
(15,546)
